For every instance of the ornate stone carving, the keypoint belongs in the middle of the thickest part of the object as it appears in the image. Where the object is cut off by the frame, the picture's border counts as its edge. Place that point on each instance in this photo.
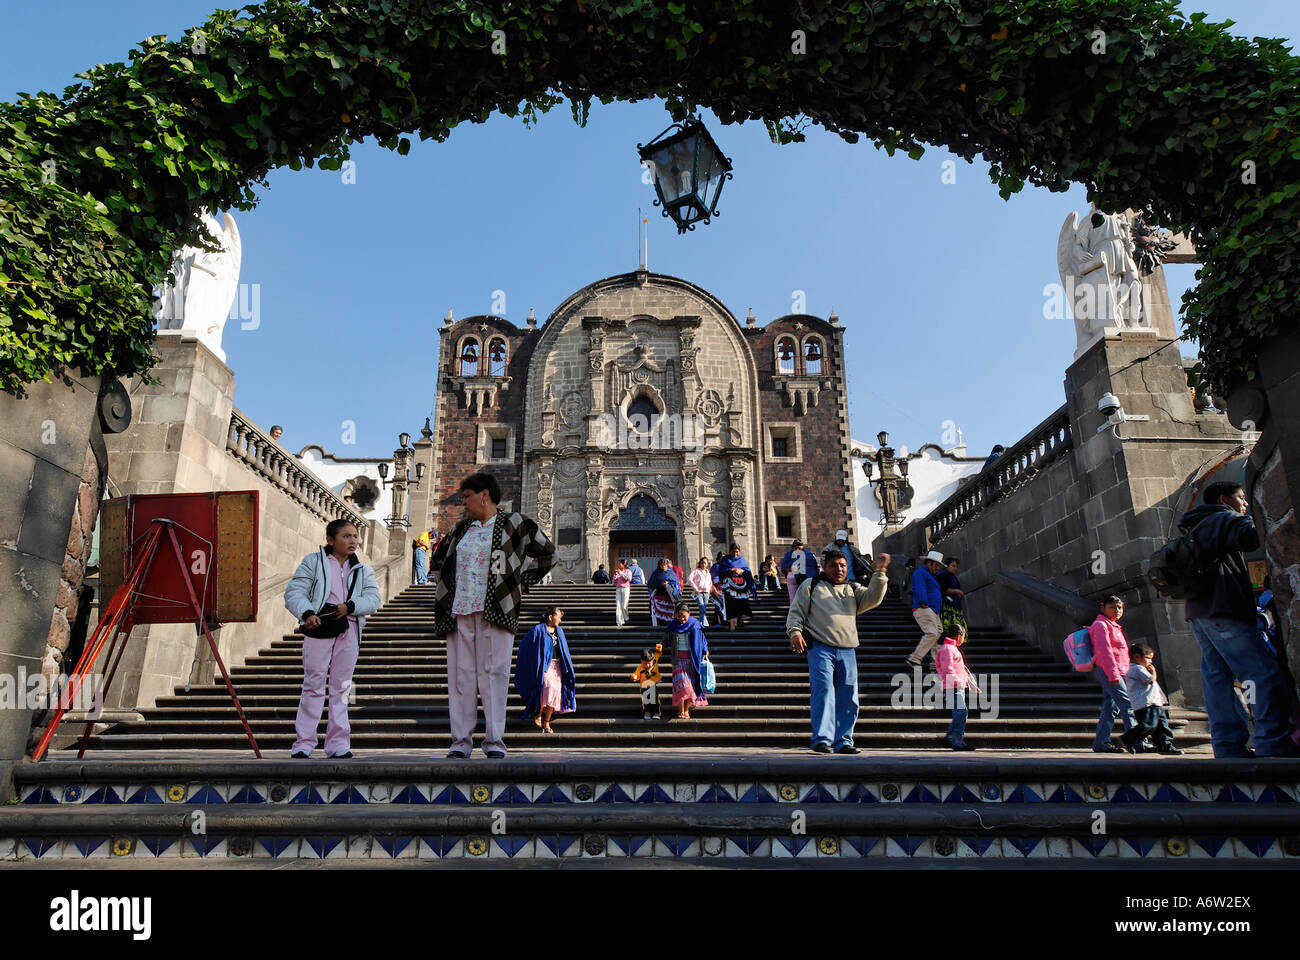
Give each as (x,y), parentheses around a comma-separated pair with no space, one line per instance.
(572,407)
(709,407)
(801,392)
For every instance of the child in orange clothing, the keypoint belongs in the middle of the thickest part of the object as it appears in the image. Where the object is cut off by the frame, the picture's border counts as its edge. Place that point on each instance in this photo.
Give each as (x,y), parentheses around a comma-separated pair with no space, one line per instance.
(647,674)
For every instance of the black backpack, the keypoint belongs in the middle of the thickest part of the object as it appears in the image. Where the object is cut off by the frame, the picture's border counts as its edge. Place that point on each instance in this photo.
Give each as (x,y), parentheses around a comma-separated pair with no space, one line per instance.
(1177,570)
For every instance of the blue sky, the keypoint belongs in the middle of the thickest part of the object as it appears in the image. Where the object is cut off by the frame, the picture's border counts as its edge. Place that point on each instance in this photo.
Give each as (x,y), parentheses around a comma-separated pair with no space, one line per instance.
(939,286)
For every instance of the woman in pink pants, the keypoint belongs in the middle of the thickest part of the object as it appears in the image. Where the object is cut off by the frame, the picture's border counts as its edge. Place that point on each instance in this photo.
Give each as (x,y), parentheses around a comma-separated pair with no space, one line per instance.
(331,594)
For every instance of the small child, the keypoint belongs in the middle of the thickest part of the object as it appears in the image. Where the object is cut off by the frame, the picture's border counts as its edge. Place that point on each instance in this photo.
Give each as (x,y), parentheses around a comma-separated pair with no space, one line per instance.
(647,674)
(1150,705)
(955,677)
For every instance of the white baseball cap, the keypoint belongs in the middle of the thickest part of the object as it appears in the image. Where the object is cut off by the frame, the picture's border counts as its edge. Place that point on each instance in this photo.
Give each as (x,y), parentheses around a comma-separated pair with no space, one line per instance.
(841,534)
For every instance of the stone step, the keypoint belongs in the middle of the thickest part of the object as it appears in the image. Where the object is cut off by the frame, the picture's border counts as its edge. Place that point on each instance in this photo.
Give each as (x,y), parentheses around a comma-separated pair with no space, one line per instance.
(991,810)
(763,698)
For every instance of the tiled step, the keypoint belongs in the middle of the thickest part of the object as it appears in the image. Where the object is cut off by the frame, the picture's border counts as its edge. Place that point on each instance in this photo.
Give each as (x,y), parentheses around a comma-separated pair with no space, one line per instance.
(994,811)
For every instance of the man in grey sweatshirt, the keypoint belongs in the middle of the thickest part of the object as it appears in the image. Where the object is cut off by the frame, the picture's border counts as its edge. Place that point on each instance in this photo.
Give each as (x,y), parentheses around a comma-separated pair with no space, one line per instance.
(823,623)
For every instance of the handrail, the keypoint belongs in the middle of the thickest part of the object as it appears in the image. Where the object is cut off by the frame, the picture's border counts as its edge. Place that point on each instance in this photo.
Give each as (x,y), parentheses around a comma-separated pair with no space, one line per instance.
(1019,464)
(246,442)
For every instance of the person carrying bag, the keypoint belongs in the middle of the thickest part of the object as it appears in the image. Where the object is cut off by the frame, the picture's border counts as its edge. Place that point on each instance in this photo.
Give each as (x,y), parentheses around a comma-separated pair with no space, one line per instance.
(331,593)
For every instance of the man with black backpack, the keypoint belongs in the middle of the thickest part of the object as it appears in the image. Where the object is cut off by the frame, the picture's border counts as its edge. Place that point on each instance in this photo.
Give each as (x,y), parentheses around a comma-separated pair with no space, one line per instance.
(1221,610)
(823,623)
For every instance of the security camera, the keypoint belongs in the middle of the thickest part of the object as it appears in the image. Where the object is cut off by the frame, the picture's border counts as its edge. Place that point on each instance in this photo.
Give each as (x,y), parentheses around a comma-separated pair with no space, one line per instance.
(1109,407)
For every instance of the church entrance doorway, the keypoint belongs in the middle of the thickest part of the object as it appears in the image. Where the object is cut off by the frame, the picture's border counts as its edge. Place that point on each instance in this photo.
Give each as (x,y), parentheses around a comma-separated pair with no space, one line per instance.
(642,530)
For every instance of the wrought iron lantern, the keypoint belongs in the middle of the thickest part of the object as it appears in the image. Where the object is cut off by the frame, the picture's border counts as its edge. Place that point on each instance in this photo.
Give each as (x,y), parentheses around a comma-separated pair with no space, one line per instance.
(893,492)
(688,171)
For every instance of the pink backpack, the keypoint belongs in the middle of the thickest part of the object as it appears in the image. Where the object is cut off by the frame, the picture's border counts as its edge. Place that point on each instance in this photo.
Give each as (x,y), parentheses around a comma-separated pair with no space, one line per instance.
(1078,650)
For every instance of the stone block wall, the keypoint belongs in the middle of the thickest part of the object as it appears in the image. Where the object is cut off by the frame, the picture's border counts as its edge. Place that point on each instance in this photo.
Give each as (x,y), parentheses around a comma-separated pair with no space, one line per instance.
(179,442)
(1089,521)
(45,431)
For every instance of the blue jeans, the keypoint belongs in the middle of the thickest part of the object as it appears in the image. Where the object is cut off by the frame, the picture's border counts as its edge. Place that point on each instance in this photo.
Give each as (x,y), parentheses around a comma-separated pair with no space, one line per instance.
(703,600)
(833,676)
(1235,649)
(1114,702)
(957,729)
(421,576)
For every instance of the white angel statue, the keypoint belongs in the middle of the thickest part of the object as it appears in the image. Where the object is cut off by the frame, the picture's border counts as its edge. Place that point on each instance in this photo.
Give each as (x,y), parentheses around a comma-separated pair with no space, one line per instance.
(1096,260)
(203,286)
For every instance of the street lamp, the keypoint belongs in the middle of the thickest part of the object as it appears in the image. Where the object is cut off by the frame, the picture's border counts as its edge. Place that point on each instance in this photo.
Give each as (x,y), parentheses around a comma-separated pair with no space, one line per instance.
(893,492)
(688,171)
(402,479)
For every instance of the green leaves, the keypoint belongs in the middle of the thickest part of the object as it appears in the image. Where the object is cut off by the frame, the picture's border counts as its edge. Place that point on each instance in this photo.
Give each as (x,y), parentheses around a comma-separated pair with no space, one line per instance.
(1164,118)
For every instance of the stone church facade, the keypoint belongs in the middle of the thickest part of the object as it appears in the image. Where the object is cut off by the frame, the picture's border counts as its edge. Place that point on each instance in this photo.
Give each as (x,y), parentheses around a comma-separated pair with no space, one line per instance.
(643,419)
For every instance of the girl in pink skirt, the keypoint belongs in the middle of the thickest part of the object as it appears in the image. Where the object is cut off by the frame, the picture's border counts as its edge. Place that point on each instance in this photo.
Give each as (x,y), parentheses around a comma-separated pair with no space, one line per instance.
(544,671)
(691,647)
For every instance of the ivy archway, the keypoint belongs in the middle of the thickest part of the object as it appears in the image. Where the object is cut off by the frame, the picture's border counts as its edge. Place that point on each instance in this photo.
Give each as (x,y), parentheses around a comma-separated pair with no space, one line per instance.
(1145,107)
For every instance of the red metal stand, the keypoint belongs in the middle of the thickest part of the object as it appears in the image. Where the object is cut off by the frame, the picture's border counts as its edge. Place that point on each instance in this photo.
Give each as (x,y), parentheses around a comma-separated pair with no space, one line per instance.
(116,622)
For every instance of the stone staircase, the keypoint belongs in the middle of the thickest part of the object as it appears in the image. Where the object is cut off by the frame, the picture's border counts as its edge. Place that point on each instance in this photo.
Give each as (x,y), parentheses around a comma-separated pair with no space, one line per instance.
(761,701)
(613,790)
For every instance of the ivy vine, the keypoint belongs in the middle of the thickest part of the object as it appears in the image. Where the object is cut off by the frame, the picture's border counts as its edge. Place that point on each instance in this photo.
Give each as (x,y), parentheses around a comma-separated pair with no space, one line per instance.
(1144,106)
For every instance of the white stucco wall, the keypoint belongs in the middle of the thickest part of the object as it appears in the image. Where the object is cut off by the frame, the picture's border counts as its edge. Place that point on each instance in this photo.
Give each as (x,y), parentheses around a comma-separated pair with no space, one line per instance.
(933,474)
(338,474)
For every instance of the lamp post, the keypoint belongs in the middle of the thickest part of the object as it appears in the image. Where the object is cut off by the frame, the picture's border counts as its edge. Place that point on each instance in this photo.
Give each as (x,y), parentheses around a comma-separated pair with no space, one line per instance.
(688,171)
(893,492)
(402,480)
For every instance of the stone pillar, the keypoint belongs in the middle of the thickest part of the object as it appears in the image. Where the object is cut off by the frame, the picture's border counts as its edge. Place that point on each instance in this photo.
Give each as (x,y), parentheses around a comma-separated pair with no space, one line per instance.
(592,525)
(176,444)
(44,435)
(1136,487)
(691,535)
(421,497)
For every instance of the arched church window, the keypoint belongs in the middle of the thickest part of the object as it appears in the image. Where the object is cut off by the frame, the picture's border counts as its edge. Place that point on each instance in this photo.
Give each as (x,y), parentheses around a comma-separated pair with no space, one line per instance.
(812,357)
(785,353)
(497,358)
(469,358)
(641,413)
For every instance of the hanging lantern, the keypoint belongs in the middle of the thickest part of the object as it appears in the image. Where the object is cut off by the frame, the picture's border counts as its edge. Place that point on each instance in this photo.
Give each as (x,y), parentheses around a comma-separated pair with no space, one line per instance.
(688,171)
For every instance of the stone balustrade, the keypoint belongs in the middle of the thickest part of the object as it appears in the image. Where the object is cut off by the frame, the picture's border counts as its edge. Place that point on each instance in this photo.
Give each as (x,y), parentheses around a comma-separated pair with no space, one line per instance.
(1019,464)
(247,443)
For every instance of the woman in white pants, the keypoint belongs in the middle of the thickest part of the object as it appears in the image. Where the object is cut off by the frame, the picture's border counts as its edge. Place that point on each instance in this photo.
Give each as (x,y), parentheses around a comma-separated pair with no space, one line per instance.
(622,592)
(331,594)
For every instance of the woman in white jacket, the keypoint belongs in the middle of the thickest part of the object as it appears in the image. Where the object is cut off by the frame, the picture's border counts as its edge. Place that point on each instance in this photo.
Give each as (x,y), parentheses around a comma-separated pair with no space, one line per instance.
(331,592)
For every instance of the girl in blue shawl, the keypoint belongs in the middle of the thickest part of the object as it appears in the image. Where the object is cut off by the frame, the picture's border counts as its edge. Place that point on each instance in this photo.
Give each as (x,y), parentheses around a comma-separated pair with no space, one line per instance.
(691,647)
(544,671)
(665,590)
